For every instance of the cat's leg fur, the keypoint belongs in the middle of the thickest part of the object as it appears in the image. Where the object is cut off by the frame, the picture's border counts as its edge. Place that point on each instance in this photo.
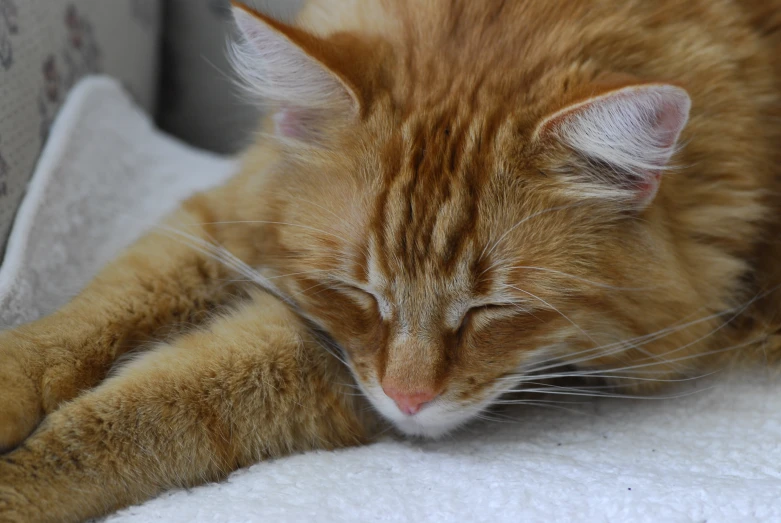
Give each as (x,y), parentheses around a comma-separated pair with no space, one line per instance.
(253,385)
(157,282)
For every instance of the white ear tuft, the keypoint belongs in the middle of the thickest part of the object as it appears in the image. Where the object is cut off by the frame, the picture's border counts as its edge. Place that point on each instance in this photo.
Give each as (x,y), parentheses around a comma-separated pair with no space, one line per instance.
(632,132)
(279,70)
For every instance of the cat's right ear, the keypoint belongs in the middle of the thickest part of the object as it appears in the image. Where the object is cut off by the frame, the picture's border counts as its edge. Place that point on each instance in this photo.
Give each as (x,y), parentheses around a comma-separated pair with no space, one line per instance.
(290,70)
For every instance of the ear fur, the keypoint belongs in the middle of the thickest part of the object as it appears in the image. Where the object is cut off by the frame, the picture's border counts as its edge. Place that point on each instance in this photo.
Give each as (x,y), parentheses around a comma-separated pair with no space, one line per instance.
(288,68)
(627,137)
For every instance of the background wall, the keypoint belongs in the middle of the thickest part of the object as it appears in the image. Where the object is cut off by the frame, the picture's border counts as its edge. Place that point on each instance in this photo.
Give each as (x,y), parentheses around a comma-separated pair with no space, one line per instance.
(198,101)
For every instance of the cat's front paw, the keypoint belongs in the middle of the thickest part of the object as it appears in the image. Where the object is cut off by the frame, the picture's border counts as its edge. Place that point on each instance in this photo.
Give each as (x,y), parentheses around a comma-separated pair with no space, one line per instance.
(20,403)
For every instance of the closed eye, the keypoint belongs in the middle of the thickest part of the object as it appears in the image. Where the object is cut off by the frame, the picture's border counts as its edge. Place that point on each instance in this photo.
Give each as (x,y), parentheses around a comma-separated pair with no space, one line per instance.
(356,293)
(490,311)
(365,298)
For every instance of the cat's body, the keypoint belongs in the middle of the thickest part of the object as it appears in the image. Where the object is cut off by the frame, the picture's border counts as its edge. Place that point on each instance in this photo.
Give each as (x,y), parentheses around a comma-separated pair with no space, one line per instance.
(458,194)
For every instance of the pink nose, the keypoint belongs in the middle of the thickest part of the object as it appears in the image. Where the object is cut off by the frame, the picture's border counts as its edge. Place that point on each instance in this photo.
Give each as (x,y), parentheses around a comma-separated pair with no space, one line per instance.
(409,404)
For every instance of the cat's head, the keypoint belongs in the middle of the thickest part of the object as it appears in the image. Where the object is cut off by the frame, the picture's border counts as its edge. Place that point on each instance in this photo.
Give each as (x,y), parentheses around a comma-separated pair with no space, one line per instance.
(455,236)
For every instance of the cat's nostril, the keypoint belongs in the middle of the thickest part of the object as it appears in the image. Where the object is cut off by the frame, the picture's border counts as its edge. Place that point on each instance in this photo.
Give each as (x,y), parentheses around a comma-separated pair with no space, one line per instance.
(409,403)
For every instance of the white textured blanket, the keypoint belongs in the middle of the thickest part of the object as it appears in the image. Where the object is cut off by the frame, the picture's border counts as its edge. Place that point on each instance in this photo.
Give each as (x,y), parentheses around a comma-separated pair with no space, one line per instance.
(712,456)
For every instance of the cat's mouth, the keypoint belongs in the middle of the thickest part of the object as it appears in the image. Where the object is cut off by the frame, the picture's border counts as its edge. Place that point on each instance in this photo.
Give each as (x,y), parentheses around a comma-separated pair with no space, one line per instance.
(437,418)
(429,423)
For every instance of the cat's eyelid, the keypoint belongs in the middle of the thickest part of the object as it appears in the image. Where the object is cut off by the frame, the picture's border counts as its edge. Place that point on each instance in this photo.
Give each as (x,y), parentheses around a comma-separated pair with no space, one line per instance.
(364,289)
(495,307)
(501,309)
(367,291)
(500,304)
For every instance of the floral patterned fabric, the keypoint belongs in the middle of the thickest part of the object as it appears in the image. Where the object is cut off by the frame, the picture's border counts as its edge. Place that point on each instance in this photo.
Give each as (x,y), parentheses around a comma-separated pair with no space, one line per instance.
(46,46)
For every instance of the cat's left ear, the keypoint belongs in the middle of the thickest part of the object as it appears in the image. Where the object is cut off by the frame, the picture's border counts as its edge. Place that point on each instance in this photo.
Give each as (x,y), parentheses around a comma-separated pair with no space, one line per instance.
(624,139)
(292,71)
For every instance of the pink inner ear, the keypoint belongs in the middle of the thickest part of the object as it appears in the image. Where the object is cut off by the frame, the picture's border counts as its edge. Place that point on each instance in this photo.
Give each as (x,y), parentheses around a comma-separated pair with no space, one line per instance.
(648,187)
(295,123)
(288,123)
(671,119)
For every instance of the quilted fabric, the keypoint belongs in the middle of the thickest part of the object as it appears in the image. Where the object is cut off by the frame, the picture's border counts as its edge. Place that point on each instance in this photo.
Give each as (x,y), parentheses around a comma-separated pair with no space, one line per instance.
(45,48)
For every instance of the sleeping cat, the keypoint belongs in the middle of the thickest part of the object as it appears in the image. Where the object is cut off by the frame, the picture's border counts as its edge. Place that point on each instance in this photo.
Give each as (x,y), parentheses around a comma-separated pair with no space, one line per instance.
(450,199)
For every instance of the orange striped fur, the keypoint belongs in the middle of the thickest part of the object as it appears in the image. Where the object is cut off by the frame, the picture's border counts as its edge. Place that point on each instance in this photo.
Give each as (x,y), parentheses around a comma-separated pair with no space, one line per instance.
(450,197)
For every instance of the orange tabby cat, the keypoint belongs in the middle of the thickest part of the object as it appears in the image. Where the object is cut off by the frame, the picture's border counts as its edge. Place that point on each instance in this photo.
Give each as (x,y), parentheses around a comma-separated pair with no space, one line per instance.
(451,196)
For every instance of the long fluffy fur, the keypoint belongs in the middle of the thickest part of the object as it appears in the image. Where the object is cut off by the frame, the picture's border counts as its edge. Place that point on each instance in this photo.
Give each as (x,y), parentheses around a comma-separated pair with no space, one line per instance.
(443,243)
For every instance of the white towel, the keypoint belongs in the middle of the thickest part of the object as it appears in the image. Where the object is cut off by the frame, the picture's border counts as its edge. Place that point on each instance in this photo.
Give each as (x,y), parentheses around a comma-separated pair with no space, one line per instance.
(711,456)
(104,176)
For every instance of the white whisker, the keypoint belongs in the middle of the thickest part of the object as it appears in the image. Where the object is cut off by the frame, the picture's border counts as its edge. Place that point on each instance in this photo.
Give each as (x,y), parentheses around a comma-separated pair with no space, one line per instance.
(488,251)
(264,222)
(612,348)
(578,278)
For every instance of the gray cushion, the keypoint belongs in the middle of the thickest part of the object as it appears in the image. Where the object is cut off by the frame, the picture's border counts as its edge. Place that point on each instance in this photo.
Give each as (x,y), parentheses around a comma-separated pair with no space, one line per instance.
(45,48)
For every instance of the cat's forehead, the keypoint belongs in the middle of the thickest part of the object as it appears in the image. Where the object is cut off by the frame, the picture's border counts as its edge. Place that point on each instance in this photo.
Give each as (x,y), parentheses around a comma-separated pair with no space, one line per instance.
(435,199)
(425,225)
(448,125)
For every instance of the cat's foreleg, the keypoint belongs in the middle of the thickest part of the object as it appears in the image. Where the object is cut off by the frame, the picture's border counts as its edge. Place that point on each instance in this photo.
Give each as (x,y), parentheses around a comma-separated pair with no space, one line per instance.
(164,279)
(253,385)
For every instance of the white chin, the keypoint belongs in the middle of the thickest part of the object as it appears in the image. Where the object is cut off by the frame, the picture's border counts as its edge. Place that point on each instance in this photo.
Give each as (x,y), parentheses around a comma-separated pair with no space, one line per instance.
(412,427)
(434,421)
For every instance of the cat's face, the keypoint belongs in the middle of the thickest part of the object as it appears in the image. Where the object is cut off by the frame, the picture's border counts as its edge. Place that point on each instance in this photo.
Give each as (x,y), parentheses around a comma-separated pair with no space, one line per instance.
(452,250)
(447,277)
